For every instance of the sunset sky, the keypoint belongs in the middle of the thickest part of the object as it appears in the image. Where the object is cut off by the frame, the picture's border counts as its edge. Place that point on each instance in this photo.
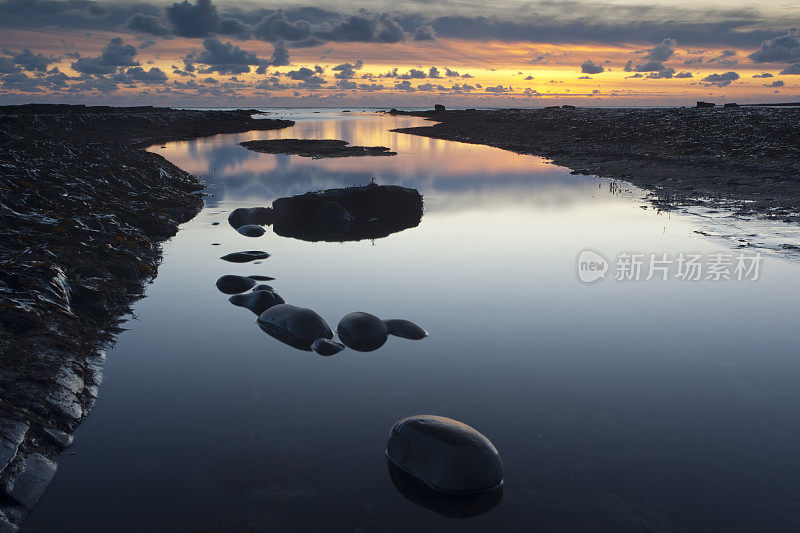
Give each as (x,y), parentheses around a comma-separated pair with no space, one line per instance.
(390,54)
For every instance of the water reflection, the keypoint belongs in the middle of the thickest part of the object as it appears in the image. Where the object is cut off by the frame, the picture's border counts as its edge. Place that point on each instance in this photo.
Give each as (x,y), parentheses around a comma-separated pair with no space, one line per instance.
(450,505)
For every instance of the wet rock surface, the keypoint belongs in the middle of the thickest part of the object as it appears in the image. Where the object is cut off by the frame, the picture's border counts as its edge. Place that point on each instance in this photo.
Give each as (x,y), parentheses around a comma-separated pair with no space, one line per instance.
(244,257)
(362,332)
(231,284)
(257,216)
(257,301)
(745,158)
(404,329)
(296,326)
(326,347)
(349,214)
(82,214)
(314,148)
(251,230)
(447,455)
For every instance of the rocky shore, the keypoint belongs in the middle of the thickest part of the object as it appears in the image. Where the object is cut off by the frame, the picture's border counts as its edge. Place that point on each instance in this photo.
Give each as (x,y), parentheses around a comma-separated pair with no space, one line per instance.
(83,211)
(744,158)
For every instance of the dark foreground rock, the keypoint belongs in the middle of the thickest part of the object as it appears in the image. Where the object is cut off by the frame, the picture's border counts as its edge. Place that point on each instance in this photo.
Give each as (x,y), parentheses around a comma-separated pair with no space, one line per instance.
(316,149)
(362,332)
(353,213)
(746,158)
(296,326)
(257,301)
(82,214)
(447,455)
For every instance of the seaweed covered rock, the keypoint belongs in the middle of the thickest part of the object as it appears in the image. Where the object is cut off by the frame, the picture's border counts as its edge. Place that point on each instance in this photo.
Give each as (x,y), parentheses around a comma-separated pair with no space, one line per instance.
(445,454)
(362,331)
(352,213)
(296,326)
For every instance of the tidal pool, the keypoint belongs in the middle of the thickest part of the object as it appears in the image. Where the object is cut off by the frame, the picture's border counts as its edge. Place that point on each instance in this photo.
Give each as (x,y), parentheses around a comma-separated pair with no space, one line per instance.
(616,405)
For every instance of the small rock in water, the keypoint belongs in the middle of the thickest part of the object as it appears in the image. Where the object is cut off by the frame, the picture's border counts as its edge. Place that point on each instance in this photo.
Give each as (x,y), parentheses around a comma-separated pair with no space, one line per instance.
(215,223)
(244,257)
(259,277)
(296,326)
(362,331)
(258,216)
(251,230)
(214,244)
(326,347)
(258,301)
(405,329)
(263,287)
(230,284)
(445,454)
(59,437)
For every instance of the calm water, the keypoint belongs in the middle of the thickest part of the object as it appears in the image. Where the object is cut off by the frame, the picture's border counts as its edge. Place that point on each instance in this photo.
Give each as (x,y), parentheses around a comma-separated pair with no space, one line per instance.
(649,405)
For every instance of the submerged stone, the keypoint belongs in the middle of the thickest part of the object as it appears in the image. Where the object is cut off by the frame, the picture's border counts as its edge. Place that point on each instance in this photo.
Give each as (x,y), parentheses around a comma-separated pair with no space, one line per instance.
(259,216)
(245,257)
(326,347)
(230,284)
(296,326)
(257,301)
(405,329)
(251,230)
(362,332)
(445,454)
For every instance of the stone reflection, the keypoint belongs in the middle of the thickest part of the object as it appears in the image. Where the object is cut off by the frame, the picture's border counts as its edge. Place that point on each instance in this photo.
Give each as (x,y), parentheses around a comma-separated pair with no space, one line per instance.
(450,505)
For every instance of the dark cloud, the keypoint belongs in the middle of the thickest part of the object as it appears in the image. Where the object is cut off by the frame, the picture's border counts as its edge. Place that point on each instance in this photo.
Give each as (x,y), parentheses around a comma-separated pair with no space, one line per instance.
(763,75)
(664,73)
(154,75)
(347,71)
(30,61)
(424,33)
(200,19)
(280,56)
(791,69)
(654,58)
(776,83)
(382,28)
(721,80)
(115,54)
(584,77)
(782,49)
(498,89)
(234,27)
(589,67)
(433,72)
(683,75)
(347,84)
(404,86)
(226,58)
(150,24)
(724,58)
(300,74)
(276,27)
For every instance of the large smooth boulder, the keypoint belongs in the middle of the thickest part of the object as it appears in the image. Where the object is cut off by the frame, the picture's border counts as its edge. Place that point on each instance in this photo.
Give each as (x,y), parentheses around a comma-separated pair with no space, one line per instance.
(244,257)
(257,301)
(445,454)
(259,216)
(296,326)
(251,230)
(230,284)
(362,332)
(405,329)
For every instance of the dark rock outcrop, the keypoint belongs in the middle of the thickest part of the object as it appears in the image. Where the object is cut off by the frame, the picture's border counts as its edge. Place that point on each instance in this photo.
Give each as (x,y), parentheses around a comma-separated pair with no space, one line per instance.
(296,326)
(353,213)
(315,148)
(244,257)
(257,301)
(231,284)
(362,332)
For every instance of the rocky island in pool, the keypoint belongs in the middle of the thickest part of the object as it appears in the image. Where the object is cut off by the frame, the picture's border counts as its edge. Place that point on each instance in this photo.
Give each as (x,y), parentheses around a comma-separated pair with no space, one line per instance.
(315,148)
(83,211)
